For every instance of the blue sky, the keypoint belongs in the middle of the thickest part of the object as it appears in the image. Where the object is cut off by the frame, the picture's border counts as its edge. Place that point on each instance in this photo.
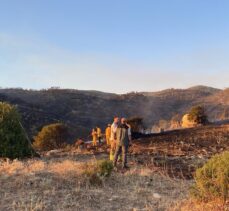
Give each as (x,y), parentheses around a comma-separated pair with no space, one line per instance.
(114,46)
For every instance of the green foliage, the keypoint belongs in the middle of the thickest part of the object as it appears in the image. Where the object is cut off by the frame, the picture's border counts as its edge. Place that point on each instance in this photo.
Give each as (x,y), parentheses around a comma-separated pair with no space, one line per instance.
(52,136)
(96,172)
(197,114)
(136,124)
(212,180)
(13,141)
(105,168)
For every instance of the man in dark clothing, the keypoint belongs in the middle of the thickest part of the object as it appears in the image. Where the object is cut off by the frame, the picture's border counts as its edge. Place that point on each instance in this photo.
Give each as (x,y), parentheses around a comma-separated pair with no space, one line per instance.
(123,141)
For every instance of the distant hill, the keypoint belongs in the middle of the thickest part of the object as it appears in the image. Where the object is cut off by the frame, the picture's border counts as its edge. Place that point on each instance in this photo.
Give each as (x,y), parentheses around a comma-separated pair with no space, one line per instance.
(82,110)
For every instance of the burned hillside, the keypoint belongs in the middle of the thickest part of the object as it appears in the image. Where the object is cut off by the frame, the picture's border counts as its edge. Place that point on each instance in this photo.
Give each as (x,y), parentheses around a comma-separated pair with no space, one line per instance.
(83,110)
(180,152)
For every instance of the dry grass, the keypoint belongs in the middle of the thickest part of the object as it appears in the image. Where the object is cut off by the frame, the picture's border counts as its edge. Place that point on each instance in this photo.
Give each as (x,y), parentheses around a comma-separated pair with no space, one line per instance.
(59,184)
(193,205)
(58,180)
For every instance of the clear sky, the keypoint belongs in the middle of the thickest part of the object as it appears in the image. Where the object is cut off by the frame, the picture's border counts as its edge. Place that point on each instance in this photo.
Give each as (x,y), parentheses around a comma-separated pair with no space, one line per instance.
(114,46)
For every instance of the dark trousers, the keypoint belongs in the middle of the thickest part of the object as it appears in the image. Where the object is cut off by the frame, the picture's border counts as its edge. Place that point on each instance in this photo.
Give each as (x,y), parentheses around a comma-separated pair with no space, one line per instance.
(121,149)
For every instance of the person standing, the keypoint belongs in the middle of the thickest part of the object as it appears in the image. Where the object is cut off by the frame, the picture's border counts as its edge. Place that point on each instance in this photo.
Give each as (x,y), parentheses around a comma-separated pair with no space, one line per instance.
(108,134)
(124,139)
(114,127)
(99,134)
(94,137)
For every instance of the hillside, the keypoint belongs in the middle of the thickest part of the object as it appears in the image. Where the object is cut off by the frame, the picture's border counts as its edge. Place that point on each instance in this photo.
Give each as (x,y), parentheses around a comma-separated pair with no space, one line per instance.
(176,153)
(182,151)
(82,110)
(159,178)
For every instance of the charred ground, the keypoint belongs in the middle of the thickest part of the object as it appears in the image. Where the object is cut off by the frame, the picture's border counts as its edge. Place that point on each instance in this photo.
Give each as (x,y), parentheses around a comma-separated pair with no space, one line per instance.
(178,153)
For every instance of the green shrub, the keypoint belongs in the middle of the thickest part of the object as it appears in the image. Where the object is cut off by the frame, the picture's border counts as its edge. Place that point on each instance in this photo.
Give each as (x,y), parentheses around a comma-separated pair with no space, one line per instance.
(105,168)
(13,140)
(52,136)
(212,180)
(96,172)
(197,114)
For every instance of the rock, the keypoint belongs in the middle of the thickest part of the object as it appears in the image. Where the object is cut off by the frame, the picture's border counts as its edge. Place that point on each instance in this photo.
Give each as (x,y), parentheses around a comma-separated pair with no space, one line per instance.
(53,152)
(186,123)
(156,195)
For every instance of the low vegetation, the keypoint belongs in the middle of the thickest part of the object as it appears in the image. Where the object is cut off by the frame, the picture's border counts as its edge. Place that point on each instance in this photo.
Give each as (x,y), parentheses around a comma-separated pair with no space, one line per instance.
(97,171)
(212,180)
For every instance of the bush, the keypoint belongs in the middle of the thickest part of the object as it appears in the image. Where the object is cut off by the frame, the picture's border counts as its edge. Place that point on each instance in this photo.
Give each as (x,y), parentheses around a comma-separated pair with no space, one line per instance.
(197,114)
(96,172)
(13,140)
(52,136)
(105,168)
(212,180)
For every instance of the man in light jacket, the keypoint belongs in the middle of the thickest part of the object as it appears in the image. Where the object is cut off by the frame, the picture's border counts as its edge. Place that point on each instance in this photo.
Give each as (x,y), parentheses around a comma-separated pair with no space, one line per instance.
(113,137)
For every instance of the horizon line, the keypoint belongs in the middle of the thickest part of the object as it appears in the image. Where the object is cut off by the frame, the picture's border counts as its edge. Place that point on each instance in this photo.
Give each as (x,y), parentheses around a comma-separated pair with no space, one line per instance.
(94,90)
